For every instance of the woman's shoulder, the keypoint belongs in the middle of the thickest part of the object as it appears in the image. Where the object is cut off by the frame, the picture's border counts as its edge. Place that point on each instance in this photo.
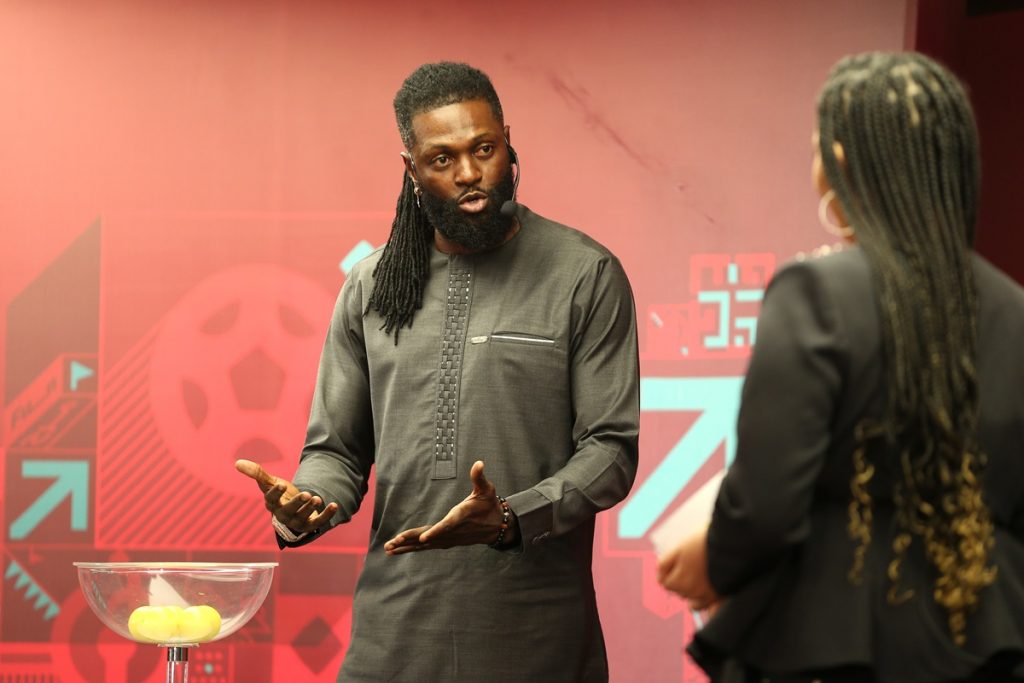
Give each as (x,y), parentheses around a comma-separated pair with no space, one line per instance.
(995,286)
(838,279)
(846,264)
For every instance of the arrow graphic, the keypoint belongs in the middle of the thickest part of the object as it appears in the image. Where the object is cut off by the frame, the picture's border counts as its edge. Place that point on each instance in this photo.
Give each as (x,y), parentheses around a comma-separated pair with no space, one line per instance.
(71,479)
(718,401)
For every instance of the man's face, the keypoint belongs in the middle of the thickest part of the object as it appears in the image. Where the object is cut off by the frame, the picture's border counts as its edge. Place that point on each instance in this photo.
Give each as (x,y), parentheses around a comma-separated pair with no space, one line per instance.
(462,165)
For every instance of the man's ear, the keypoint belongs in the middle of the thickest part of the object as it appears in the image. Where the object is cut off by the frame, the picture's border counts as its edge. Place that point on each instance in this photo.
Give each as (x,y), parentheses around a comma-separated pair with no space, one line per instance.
(508,137)
(410,167)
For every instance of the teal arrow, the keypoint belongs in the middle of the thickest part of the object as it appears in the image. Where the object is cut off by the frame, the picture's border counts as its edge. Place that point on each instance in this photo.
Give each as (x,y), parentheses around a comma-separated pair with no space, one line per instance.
(71,479)
(718,401)
(79,372)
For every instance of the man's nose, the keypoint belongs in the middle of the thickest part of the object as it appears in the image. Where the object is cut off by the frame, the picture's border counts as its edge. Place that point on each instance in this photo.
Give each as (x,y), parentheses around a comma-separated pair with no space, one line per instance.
(467,171)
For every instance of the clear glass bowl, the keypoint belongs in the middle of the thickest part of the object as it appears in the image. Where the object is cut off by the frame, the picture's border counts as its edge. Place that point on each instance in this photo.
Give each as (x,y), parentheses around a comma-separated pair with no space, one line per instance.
(175,603)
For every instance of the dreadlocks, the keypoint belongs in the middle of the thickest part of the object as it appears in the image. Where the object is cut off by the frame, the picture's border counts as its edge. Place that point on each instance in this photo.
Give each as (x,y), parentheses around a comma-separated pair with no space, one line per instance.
(909,186)
(401,273)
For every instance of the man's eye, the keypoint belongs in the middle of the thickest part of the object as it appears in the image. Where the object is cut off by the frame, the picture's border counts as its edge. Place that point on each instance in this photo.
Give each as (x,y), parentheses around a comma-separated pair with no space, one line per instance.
(441,160)
(485,150)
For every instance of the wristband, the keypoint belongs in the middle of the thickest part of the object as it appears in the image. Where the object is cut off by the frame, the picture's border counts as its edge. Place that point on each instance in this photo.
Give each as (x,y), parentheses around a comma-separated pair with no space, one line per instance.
(506,512)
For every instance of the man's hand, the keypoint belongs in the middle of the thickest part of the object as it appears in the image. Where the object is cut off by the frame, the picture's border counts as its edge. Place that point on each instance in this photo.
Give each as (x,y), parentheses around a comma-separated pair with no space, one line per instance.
(475,520)
(685,571)
(296,509)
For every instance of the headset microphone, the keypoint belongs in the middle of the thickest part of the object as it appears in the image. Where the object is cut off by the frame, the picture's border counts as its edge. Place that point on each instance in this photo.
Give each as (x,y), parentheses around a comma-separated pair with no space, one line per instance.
(509,207)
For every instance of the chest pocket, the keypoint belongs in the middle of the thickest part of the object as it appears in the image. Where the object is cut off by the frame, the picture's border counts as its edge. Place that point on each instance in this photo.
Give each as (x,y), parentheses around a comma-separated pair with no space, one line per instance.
(514,338)
(521,358)
(521,375)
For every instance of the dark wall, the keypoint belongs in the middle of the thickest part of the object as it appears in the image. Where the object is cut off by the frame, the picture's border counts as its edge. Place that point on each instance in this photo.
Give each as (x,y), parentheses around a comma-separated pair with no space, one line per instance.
(981,41)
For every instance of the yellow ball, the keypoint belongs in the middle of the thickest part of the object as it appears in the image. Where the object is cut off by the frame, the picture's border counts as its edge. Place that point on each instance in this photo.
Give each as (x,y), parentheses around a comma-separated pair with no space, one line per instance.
(153,624)
(135,621)
(199,624)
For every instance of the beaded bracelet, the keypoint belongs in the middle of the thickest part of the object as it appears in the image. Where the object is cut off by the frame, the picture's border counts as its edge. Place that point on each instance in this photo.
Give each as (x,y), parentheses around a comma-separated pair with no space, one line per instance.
(506,512)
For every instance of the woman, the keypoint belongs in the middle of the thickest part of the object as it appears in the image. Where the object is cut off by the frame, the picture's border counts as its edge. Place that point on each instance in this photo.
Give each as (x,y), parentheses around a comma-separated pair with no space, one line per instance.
(871,527)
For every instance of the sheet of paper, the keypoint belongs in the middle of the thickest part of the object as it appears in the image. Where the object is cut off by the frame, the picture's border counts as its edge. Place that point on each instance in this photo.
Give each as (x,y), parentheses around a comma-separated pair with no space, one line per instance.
(690,517)
(162,593)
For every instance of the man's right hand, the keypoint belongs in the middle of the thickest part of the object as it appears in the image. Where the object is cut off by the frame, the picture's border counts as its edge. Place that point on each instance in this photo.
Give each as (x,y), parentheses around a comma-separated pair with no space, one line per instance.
(296,509)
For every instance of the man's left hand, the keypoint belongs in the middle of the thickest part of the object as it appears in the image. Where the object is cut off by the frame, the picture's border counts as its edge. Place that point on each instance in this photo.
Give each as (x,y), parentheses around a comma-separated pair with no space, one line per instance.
(475,520)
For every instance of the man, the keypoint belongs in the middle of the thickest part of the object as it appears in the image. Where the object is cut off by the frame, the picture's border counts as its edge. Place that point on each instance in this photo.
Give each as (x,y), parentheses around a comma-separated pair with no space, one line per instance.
(480,333)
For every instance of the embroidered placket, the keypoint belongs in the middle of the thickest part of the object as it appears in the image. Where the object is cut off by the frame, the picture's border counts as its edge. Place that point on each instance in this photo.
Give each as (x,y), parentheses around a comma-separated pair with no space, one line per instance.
(453,340)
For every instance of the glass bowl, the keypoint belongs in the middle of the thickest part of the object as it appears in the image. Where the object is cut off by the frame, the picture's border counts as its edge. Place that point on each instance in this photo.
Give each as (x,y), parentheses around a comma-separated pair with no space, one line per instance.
(175,603)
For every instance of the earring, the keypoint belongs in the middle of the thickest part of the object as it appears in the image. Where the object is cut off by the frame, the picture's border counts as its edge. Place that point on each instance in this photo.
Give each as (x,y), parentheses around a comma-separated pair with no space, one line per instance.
(844,231)
(417,191)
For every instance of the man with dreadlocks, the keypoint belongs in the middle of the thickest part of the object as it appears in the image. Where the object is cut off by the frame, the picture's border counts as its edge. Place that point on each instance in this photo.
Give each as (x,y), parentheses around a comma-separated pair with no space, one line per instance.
(871,527)
(481,332)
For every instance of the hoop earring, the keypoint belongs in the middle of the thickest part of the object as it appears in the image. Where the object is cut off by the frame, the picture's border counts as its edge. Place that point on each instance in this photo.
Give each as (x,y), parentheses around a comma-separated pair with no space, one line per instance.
(844,231)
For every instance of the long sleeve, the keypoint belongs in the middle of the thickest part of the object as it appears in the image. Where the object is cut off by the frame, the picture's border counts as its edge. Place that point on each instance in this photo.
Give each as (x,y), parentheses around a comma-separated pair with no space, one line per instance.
(339,449)
(787,408)
(605,389)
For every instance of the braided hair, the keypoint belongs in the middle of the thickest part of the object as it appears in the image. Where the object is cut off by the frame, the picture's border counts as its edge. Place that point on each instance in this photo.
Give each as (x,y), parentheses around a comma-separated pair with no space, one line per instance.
(404,266)
(909,186)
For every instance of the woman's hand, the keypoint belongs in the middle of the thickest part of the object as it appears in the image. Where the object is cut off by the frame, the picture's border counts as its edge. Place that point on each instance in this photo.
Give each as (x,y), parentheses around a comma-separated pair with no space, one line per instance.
(684,571)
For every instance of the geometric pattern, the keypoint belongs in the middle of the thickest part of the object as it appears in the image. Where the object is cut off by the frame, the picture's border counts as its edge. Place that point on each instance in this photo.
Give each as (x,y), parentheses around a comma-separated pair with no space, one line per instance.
(33,590)
(453,339)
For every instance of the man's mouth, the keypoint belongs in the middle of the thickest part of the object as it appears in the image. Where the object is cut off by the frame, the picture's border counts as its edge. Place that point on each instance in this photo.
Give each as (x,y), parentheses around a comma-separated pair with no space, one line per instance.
(474,202)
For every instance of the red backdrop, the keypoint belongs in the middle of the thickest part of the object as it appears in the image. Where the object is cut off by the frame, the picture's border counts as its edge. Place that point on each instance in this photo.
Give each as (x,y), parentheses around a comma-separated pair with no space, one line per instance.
(184,185)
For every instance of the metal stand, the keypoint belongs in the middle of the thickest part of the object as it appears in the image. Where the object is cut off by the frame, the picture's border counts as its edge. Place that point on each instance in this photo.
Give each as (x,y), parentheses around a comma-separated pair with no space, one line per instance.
(177,664)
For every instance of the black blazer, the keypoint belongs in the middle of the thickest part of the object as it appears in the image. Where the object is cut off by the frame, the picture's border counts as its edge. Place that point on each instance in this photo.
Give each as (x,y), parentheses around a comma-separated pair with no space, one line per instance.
(778,548)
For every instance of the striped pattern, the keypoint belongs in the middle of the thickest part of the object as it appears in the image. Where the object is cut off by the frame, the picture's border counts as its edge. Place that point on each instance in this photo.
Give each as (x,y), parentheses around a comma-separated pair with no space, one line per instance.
(145,499)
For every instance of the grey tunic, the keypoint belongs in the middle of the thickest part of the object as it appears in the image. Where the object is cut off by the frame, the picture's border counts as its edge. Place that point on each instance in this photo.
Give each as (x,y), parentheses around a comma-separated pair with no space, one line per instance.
(524,357)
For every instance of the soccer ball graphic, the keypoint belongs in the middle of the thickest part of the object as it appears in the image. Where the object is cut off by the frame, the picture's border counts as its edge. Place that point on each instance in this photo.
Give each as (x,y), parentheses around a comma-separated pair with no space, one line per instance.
(232,372)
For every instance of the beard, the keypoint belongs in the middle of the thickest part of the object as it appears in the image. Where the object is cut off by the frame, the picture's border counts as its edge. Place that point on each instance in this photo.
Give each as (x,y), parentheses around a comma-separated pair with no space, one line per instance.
(474,231)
